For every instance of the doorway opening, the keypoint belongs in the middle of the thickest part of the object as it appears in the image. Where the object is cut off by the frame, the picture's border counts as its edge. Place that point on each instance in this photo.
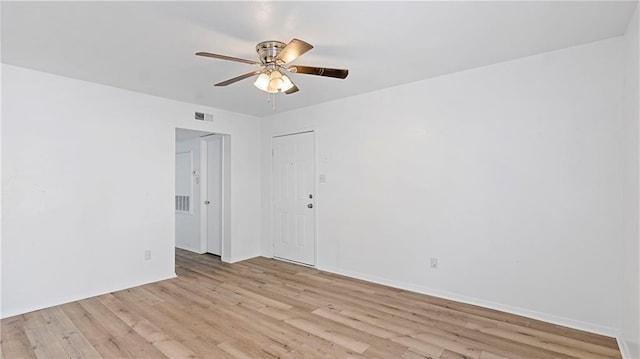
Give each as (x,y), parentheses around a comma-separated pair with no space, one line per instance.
(202,173)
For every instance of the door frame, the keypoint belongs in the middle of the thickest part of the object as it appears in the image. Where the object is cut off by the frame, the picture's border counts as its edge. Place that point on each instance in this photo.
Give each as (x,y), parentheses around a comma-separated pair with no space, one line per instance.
(225,214)
(226,192)
(315,191)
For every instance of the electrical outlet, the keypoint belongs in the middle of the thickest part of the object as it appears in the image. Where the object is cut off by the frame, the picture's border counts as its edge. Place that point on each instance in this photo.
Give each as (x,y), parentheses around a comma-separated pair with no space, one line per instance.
(434,263)
(147,255)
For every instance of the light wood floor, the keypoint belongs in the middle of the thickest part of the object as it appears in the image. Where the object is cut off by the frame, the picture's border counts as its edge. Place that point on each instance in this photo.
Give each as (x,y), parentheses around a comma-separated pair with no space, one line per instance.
(262,308)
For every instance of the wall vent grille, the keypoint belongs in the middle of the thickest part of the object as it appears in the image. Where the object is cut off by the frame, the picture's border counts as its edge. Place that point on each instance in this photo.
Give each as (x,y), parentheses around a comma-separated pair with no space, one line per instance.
(183,204)
(201,116)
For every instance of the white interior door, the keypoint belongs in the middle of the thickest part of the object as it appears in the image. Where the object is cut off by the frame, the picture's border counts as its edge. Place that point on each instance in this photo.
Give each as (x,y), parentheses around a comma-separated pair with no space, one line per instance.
(214,195)
(294,198)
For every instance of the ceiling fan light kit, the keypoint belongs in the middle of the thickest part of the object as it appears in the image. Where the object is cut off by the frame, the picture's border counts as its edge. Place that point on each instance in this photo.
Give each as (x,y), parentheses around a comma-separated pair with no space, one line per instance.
(275,57)
(273,82)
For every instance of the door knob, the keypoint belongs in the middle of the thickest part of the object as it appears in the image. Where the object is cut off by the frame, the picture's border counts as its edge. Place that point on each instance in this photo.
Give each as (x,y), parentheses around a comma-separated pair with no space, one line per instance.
(206,202)
(310,205)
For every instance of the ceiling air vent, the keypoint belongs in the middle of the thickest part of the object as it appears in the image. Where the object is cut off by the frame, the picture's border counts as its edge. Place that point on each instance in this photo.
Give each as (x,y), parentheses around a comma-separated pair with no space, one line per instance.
(201,116)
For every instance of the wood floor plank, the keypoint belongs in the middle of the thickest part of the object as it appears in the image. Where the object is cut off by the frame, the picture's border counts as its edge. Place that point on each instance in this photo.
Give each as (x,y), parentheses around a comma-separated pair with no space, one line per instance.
(122,339)
(137,347)
(453,346)
(92,330)
(257,297)
(14,341)
(489,355)
(102,340)
(553,337)
(17,349)
(411,354)
(296,341)
(152,334)
(448,354)
(418,346)
(354,323)
(111,323)
(344,341)
(206,349)
(263,308)
(71,339)
(44,343)
(583,351)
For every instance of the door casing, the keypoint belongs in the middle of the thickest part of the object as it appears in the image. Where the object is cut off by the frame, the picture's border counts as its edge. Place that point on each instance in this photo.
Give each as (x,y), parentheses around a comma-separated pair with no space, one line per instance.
(316,201)
(212,190)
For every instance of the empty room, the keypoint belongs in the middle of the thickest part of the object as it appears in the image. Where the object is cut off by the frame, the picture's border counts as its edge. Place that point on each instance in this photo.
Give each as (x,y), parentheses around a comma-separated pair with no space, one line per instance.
(311,179)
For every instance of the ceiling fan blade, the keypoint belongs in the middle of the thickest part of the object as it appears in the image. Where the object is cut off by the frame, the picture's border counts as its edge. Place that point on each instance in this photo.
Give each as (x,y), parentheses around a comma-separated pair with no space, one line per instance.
(294,49)
(236,79)
(294,89)
(320,71)
(229,58)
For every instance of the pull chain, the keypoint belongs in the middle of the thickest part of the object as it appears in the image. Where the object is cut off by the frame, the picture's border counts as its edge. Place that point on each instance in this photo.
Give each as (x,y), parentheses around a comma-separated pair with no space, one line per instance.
(271,98)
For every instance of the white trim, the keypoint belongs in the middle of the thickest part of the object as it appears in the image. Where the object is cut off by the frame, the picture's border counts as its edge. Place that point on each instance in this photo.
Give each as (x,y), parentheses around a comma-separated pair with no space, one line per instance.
(225,211)
(240,259)
(316,200)
(315,194)
(293,133)
(624,349)
(204,193)
(550,318)
(224,192)
(194,250)
(4,315)
(293,262)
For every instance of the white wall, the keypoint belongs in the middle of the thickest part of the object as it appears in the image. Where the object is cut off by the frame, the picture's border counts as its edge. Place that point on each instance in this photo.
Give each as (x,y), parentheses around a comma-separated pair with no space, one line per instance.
(88,186)
(510,174)
(188,224)
(630,249)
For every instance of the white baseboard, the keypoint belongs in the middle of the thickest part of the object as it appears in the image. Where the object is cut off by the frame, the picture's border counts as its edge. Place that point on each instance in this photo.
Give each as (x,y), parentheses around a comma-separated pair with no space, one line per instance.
(241,258)
(190,249)
(84,296)
(624,350)
(550,318)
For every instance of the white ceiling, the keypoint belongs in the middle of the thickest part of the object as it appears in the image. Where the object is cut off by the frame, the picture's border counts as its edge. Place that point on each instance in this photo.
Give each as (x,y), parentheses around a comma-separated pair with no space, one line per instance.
(149,46)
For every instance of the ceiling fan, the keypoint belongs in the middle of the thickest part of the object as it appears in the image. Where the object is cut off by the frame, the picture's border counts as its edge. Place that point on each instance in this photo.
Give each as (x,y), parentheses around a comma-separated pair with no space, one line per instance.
(275,58)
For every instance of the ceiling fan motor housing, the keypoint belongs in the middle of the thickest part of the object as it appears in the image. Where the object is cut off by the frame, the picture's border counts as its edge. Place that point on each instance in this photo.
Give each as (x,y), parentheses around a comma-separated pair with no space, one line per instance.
(268,50)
